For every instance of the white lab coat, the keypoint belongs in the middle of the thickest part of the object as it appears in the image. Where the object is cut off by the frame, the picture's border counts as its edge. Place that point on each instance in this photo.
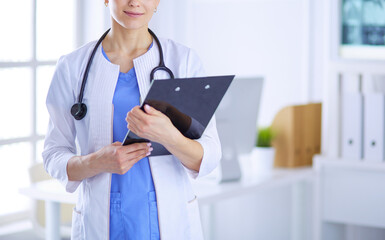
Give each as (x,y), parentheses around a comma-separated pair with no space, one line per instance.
(178,211)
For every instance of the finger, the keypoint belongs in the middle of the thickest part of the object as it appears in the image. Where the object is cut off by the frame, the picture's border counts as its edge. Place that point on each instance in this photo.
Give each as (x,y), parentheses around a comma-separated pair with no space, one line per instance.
(134,158)
(137,119)
(136,147)
(133,119)
(134,129)
(137,126)
(136,107)
(139,113)
(150,110)
(130,125)
(130,115)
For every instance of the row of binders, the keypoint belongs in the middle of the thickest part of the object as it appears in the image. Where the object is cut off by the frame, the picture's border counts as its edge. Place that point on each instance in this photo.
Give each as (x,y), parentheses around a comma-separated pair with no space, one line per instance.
(363,126)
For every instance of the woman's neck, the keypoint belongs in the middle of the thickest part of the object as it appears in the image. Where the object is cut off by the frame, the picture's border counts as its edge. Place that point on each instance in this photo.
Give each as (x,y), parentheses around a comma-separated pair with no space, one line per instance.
(128,42)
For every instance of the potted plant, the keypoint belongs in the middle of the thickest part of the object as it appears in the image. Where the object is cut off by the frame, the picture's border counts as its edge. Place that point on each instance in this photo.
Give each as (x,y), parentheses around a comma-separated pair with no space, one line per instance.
(263,152)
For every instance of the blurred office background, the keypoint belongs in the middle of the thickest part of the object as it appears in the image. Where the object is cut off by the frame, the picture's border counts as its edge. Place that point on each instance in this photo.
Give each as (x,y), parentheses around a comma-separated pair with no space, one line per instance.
(304,50)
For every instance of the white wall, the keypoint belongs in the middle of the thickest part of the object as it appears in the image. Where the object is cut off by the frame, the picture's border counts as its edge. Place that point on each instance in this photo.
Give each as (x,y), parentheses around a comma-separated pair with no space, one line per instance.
(93,20)
(245,37)
(248,38)
(253,38)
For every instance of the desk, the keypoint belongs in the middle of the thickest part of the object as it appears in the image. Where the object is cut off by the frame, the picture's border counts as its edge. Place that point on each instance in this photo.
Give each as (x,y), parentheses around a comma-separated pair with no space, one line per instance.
(208,193)
(53,193)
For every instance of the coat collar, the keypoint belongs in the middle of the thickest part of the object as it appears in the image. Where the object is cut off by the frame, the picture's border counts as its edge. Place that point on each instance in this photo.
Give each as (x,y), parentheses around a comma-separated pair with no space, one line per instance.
(143,66)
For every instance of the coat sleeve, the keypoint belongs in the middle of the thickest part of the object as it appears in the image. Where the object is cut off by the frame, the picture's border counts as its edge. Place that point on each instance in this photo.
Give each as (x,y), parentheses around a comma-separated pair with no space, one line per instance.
(59,145)
(209,140)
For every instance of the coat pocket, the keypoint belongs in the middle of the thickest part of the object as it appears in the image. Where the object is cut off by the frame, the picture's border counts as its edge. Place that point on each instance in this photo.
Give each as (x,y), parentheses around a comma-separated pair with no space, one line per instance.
(116,218)
(194,219)
(77,231)
(154,224)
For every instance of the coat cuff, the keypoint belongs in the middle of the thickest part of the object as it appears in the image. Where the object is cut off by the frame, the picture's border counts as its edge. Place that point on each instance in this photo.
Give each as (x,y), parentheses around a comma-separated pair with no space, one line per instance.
(207,164)
(70,186)
(212,151)
(59,171)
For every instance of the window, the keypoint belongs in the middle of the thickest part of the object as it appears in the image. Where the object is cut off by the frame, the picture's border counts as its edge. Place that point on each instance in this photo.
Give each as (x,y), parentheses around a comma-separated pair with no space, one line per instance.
(38,32)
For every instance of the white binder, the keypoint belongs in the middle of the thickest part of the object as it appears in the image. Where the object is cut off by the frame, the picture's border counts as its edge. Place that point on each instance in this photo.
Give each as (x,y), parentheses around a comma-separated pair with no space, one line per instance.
(374,127)
(352,126)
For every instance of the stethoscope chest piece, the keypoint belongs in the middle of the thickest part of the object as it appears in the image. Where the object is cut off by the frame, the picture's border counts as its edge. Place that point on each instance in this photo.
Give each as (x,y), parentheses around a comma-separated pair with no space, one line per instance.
(79,111)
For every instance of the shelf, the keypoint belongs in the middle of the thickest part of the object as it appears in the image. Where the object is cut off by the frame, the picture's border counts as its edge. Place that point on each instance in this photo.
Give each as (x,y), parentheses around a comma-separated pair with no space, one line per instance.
(324,161)
(357,66)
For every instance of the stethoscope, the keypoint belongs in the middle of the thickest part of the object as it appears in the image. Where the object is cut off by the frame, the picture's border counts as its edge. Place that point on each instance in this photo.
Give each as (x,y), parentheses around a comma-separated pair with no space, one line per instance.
(79,109)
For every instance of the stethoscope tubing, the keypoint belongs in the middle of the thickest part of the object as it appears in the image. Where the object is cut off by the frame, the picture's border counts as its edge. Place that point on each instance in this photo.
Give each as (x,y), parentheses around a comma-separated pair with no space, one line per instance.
(85,76)
(79,109)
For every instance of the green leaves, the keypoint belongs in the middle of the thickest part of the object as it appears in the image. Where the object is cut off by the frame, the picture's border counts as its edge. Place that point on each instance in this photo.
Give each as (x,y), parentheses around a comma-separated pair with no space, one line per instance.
(265,137)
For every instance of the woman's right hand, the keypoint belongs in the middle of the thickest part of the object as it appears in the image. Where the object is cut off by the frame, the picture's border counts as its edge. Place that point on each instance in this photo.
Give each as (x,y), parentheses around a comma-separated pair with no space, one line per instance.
(115,158)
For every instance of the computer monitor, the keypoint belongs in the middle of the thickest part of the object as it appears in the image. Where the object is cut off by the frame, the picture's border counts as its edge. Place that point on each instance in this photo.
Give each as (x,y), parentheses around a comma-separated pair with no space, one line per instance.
(236,118)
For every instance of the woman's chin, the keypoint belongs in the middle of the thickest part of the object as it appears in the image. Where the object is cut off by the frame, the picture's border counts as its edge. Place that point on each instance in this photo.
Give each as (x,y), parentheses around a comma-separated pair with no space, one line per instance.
(132,25)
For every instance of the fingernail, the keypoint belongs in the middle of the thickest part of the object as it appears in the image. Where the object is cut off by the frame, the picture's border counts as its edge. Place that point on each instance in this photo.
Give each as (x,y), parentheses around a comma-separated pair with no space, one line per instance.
(150,149)
(148,153)
(149,144)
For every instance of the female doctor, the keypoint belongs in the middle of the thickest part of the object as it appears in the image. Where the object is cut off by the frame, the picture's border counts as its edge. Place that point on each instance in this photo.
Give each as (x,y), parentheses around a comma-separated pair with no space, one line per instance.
(124,192)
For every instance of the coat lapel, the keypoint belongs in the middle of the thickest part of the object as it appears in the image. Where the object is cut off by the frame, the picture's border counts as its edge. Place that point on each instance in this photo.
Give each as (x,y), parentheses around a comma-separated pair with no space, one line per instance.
(103,77)
(143,67)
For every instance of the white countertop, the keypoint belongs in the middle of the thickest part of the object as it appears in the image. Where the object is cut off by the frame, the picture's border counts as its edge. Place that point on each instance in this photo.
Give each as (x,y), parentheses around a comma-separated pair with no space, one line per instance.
(49,190)
(210,192)
(206,191)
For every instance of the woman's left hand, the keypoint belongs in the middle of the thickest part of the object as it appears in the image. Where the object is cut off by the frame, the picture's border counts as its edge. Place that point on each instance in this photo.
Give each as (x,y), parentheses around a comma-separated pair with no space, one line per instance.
(157,127)
(152,125)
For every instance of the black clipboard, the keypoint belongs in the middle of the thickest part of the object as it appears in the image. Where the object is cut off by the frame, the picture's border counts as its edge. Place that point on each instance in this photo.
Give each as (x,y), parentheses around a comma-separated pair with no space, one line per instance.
(190,103)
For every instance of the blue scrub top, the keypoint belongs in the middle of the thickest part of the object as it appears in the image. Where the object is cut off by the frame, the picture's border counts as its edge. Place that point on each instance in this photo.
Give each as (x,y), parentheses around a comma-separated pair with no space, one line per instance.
(133,209)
